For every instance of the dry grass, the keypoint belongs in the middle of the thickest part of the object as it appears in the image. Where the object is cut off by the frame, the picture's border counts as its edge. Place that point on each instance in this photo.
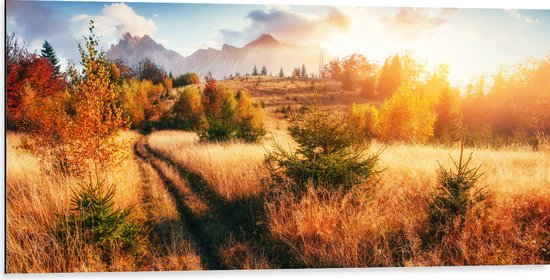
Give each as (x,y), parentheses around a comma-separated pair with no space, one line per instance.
(386,228)
(36,195)
(233,169)
(319,230)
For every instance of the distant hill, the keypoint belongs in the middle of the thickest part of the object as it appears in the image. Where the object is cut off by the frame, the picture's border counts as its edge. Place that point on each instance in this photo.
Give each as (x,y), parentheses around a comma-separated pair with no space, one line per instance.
(264,51)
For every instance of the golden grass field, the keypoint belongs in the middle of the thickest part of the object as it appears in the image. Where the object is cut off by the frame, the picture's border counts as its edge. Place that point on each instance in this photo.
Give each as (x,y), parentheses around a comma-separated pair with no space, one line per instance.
(206,206)
(335,233)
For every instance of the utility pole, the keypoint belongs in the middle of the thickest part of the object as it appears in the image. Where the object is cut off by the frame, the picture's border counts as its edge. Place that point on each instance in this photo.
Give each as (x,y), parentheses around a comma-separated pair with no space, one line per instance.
(321,56)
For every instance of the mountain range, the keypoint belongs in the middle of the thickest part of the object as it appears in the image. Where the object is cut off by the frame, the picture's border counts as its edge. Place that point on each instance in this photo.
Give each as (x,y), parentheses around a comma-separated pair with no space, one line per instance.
(264,51)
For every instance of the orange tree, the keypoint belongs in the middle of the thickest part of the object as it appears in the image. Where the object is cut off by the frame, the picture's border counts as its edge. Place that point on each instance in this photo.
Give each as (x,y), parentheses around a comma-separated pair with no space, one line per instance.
(97,115)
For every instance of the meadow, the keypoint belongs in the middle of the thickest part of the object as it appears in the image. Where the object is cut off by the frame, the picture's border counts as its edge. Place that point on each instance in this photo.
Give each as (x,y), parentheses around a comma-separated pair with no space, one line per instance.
(175,182)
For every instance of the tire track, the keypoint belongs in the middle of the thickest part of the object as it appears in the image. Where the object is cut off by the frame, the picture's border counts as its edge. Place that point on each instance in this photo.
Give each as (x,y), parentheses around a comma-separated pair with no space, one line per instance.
(238,218)
(207,253)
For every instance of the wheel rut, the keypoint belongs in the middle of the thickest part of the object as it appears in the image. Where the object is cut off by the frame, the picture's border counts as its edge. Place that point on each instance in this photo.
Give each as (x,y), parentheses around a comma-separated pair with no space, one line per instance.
(206,251)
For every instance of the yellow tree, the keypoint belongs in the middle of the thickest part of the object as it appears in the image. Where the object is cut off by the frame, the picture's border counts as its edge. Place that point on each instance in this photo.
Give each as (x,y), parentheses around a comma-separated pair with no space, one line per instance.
(249,118)
(98,117)
(407,117)
(365,118)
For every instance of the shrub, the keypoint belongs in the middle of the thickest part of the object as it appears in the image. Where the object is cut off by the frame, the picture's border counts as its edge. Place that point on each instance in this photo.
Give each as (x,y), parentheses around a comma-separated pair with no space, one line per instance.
(407,117)
(328,154)
(95,221)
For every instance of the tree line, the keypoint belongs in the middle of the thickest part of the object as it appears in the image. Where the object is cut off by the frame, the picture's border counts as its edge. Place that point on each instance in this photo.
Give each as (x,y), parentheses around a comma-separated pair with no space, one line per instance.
(417,105)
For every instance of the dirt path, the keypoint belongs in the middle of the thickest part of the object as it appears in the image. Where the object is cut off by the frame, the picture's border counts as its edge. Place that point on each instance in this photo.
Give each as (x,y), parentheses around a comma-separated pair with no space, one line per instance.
(184,201)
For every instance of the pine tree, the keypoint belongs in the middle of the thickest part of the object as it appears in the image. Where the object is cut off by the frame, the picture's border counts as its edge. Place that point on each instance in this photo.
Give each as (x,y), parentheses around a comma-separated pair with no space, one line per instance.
(255,71)
(327,154)
(296,72)
(281,73)
(49,53)
(457,199)
(264,71)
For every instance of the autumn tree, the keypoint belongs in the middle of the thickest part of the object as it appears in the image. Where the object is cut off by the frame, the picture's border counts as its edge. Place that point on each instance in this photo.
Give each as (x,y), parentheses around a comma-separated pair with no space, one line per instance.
(390,77)
(124,70)
(249,118)
(333,70)
(27,76)
(148,70)
(48,53)
(365,119)
(189,78)
(188,112)
(448,124)
(512,106)
(406,117)
(219,106)
(98,116)
(474,105)
(138,100)
(227,116)
(355,68)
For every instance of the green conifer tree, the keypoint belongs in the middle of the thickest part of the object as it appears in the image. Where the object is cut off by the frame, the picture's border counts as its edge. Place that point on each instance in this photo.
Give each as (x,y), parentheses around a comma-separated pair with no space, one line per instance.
(48,53)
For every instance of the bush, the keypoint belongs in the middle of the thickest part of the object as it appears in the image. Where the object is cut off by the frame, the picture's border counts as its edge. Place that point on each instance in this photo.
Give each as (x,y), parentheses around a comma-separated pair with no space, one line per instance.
(94,221)
(328,154)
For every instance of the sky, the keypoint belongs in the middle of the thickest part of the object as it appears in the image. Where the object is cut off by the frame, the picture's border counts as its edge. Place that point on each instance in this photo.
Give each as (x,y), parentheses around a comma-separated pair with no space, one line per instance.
(471,41)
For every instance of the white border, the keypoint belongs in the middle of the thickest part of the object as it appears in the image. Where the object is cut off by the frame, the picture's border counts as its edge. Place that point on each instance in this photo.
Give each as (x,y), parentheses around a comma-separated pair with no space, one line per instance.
(447,273)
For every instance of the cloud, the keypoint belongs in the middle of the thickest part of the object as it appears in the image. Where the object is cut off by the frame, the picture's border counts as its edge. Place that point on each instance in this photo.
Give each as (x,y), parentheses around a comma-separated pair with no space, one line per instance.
(413,23)
(34,22)
(515,14)
(116,20)
(289,26)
